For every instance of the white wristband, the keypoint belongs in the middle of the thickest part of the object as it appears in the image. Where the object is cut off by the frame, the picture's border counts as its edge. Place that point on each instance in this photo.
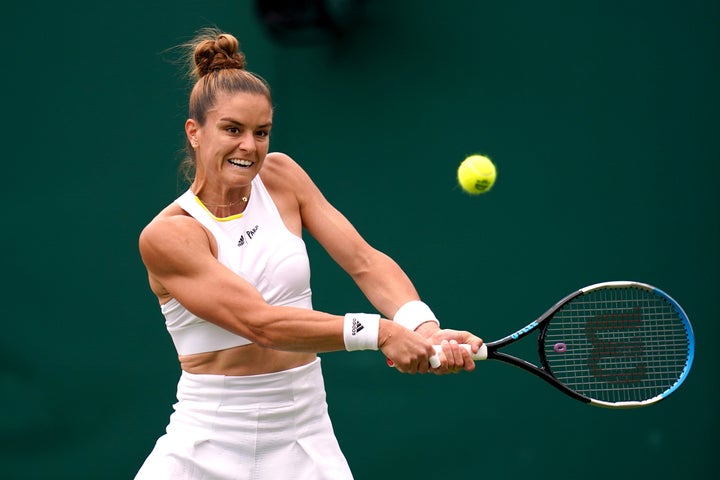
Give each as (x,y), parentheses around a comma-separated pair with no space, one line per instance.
(360,331)
(413,313)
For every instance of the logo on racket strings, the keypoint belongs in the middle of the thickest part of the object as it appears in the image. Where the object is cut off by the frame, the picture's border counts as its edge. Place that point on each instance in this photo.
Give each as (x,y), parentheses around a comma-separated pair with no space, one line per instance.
(617,354)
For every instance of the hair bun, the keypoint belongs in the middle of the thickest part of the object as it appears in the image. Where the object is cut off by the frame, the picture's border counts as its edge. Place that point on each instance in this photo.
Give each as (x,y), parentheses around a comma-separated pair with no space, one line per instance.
(219,53)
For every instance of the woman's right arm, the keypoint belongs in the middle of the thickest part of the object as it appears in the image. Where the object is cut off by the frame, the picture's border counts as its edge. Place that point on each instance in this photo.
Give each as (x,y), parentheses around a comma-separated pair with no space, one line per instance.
(177,253)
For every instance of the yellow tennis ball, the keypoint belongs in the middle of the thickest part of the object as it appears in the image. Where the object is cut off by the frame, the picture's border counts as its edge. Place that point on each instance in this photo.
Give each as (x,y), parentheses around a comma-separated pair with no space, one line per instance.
(476,174)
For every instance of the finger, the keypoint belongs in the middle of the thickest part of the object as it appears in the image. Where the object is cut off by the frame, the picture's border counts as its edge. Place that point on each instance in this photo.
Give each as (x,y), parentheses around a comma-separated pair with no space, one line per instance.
(468,364)
(423,366)
(442,355)
(396,366)
(458,352)
(452,353)
(475,343)
(445,356)
(458,357)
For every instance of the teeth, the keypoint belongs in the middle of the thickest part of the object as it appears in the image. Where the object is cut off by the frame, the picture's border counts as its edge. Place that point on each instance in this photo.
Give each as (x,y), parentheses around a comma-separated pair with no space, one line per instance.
(241,163)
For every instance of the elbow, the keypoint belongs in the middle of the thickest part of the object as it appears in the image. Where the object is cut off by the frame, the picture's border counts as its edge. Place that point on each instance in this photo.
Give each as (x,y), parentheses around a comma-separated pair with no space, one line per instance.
(363,263)
(263,328)
(263,338)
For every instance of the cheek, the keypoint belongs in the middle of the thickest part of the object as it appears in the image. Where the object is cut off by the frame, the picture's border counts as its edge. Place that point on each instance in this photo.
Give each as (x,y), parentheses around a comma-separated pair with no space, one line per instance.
(262,147)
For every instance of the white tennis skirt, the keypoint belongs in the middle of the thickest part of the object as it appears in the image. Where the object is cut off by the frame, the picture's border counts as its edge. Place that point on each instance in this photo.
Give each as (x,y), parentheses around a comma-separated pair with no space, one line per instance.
(260,427)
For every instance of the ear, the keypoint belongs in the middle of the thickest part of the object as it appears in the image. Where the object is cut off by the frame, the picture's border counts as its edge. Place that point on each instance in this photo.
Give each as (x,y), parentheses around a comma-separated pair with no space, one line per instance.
(191,130)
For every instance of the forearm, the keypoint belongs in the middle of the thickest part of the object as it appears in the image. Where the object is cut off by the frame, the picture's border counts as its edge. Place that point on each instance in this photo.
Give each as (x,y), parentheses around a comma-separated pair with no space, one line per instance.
(311,331)
(389,290)
(294,329)
(384,283)
(298,329)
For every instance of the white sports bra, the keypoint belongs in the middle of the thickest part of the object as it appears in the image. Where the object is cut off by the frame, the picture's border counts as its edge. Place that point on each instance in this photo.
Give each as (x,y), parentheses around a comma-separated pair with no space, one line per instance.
(256,245)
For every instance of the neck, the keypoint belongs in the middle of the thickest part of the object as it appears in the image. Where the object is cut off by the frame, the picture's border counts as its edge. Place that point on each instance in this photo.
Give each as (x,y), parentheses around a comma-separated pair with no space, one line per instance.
(222,203)
(219,195)
(242,199)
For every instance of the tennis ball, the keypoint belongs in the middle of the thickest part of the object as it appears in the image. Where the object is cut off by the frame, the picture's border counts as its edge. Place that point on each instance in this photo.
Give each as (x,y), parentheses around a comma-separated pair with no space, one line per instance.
(476,174)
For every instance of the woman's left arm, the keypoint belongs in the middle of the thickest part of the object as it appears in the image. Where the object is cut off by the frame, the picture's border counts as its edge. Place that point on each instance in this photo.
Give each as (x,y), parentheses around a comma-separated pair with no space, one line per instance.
(379,277)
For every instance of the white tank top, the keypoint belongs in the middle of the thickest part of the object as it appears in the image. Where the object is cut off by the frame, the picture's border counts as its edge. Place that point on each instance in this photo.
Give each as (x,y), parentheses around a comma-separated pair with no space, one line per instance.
(257,246)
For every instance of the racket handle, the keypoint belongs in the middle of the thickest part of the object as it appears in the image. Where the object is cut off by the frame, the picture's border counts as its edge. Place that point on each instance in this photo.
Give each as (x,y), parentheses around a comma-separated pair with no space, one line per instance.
(435,359)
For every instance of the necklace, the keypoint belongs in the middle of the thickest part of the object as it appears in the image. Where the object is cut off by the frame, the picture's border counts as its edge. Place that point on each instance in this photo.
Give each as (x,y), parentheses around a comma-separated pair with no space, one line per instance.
(243,199)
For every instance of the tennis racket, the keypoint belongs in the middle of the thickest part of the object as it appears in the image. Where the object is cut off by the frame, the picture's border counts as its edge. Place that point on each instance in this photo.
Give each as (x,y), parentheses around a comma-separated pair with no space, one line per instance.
(613,344)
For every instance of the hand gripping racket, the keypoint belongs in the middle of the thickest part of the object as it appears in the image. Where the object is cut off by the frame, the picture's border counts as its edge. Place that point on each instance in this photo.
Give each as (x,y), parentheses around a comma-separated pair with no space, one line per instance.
(612,344)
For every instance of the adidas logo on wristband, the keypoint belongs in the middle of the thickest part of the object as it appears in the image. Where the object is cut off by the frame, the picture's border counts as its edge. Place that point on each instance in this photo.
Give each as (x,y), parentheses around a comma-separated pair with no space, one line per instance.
(360,331)
(356,326)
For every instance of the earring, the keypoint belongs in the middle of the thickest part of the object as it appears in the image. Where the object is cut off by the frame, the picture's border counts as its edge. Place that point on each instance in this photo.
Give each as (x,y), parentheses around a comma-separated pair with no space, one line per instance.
(193,142)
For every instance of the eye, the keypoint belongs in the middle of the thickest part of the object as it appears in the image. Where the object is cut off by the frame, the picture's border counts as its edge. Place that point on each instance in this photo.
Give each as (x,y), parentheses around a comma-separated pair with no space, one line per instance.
(233,130)
(262,133)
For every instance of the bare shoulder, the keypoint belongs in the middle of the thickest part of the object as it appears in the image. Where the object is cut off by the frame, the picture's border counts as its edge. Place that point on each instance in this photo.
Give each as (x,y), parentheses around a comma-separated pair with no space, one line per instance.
(170,220)
(171,233)
(280,167)
(281,171)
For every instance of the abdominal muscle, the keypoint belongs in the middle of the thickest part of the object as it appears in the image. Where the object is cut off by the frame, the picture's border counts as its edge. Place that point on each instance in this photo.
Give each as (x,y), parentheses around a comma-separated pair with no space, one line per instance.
(245,360)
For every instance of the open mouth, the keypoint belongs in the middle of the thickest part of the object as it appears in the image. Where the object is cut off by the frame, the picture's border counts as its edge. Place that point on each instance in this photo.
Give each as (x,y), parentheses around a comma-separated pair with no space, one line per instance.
(241,163)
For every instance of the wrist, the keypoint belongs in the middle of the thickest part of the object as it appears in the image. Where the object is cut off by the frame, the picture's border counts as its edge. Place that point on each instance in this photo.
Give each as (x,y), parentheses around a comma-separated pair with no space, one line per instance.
(413,314)
(427,329)
(386,331)
(361,331)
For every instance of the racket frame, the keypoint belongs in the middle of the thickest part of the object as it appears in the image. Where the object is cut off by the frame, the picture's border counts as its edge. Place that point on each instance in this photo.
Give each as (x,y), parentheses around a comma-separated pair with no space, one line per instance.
(544,371)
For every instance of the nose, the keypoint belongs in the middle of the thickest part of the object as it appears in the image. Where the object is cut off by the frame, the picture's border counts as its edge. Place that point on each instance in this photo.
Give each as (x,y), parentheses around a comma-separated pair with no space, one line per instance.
(246,142)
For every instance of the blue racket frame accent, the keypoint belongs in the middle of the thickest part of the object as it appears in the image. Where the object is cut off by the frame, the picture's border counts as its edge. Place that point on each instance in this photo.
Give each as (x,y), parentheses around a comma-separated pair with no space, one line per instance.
(691,340)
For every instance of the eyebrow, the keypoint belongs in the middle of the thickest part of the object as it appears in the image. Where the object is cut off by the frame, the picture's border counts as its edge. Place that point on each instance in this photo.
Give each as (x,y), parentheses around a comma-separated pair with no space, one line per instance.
(230,120)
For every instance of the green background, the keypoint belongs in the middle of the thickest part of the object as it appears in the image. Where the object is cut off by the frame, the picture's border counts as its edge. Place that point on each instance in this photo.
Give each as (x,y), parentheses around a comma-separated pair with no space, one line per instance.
(602,118)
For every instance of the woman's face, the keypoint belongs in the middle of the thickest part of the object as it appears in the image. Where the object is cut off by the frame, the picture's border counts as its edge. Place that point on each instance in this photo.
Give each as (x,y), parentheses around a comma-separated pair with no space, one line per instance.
(232,144)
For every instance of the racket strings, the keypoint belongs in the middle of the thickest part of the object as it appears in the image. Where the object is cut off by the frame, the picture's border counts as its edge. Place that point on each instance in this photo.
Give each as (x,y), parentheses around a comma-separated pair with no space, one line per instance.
(617,344)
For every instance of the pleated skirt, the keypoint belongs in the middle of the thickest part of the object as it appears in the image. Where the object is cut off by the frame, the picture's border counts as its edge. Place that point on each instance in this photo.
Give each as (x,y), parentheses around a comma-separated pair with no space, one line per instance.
(261,427)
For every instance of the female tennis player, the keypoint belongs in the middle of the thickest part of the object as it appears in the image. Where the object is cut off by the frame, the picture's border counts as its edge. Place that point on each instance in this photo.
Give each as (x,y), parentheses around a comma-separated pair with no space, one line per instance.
(231,273)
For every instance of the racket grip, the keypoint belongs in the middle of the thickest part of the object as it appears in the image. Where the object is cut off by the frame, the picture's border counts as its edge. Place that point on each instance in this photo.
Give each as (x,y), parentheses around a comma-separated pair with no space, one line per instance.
(435,359)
